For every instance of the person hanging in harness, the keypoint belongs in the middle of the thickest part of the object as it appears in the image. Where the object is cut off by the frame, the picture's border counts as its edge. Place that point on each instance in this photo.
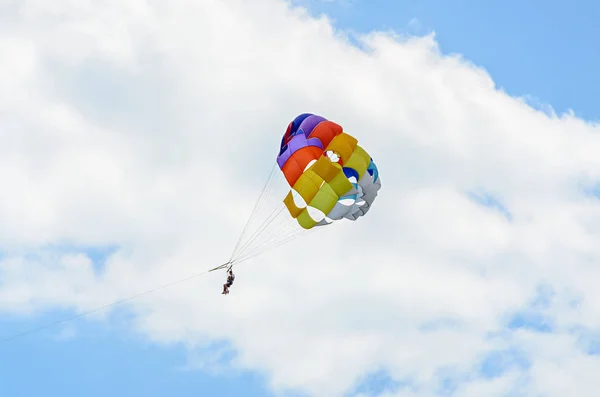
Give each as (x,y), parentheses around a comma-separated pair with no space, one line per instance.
(229,282)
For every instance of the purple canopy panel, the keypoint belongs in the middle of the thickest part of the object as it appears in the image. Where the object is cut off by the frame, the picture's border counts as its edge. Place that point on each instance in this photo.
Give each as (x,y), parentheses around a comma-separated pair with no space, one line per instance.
(309,124)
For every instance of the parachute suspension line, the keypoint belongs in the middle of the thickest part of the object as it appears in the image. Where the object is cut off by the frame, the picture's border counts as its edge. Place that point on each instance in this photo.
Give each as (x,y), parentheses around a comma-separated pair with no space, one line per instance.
(275,239)
(269,225)
(283,231)
(248,241)
(286,239)
(263,238)
(258,251)
(265,223)
(271,192)
(261,228)
(266,188)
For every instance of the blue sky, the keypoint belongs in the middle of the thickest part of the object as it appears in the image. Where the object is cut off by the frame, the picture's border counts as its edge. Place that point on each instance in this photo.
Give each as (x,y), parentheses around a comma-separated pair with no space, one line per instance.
(102,362)
(548,50)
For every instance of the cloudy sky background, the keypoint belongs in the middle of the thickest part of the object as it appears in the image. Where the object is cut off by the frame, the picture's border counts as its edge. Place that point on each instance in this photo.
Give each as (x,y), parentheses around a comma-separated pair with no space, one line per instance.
(136,136)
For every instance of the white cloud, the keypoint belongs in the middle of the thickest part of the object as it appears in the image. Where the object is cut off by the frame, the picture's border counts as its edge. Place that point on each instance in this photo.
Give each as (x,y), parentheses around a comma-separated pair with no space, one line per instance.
(142,125)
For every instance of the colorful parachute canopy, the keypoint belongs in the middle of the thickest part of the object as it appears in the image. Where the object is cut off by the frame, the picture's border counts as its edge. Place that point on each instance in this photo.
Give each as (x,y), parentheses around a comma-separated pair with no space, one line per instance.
(331,176)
